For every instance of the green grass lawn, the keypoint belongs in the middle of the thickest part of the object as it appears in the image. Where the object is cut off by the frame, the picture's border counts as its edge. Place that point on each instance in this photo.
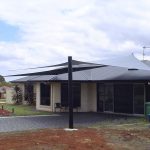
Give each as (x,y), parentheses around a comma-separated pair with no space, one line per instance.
(23,110)
(2,100)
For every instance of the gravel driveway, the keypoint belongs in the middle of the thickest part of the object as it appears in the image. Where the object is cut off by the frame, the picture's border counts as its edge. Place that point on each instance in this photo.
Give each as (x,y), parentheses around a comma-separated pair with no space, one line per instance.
(59,120)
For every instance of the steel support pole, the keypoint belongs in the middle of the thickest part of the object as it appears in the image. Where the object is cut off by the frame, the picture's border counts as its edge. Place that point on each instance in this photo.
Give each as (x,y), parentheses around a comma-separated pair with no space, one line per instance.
(70,98)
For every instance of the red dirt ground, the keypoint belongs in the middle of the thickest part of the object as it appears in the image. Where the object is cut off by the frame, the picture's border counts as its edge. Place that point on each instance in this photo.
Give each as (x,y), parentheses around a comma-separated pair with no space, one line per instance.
(83,139)
(4,112)
(126,139)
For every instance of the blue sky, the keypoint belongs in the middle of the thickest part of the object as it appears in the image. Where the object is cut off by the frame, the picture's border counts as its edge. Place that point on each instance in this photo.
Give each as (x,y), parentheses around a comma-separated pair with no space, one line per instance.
(44,32)
(9,33)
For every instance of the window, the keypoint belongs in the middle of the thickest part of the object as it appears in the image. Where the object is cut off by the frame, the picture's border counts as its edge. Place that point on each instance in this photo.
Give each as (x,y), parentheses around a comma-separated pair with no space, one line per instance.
(45,94)
(76,94)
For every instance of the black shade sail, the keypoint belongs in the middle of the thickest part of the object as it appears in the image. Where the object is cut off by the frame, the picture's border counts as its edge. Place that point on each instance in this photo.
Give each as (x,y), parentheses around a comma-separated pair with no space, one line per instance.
(60,70)
(74,62)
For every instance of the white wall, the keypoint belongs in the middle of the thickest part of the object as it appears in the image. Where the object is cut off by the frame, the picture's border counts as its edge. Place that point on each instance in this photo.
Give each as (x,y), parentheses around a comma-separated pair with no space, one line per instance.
(9,95)
(84,97)
(56,94)
(92,97)
(88,97)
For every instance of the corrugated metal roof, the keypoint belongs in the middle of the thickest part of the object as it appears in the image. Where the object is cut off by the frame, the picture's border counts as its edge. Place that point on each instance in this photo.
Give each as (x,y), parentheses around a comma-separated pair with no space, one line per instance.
(134,75)
(25,79)
(99,74)
(44,78)
(36,78)
(108,73)
(104,73)
(80,75)
(118,69)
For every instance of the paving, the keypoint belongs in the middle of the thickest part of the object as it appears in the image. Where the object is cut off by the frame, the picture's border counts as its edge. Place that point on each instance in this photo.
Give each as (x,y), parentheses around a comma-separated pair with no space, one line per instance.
(60,120)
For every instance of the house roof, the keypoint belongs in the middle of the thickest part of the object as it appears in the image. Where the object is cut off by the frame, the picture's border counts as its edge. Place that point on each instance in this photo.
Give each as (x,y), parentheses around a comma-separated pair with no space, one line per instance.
(108,73)
(123,68)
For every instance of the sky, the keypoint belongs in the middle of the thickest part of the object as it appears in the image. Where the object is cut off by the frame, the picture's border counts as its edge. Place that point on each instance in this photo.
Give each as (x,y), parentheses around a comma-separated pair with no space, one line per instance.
(45,32)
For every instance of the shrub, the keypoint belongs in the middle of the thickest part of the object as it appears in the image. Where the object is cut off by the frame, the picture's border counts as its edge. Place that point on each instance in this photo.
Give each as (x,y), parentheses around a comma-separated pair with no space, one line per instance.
(18,96)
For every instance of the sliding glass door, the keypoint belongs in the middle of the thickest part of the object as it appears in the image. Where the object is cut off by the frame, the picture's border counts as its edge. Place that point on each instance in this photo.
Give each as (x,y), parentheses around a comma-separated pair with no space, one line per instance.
(138,98)
(100,97)
(123,102)
(109,97)
(105,97)
(121,97)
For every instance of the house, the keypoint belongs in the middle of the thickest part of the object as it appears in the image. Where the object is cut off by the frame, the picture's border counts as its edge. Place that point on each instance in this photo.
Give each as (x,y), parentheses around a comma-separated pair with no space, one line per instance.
(7,92)
(3,92)
(10,92)
(121,86)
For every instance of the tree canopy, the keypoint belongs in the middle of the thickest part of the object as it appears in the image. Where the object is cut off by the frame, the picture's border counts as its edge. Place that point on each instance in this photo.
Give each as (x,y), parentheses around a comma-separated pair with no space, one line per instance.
(2,79)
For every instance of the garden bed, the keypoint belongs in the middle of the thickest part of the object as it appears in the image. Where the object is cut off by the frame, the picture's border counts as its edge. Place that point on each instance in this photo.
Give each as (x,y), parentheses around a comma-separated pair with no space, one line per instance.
(23,110)
(5,112)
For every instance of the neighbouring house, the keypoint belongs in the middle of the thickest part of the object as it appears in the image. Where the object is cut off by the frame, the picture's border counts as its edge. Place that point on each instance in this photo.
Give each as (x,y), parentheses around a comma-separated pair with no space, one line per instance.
(3,92)
(112,88)
(9,95)
(7,92)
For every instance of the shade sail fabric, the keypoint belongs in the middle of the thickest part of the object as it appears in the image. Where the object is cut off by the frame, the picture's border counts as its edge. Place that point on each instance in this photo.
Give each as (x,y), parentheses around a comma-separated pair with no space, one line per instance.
(74,62)
(129,61)
(147,62)
(59,70)
(123,68)
(107,73)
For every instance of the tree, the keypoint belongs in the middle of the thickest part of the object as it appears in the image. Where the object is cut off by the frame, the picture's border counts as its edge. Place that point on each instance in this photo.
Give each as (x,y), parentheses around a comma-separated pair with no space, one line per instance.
(9,84)
(2,79)
(17,97)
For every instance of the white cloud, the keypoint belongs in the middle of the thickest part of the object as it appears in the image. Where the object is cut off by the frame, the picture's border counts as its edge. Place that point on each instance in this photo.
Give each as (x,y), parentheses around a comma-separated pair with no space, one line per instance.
(53,29)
